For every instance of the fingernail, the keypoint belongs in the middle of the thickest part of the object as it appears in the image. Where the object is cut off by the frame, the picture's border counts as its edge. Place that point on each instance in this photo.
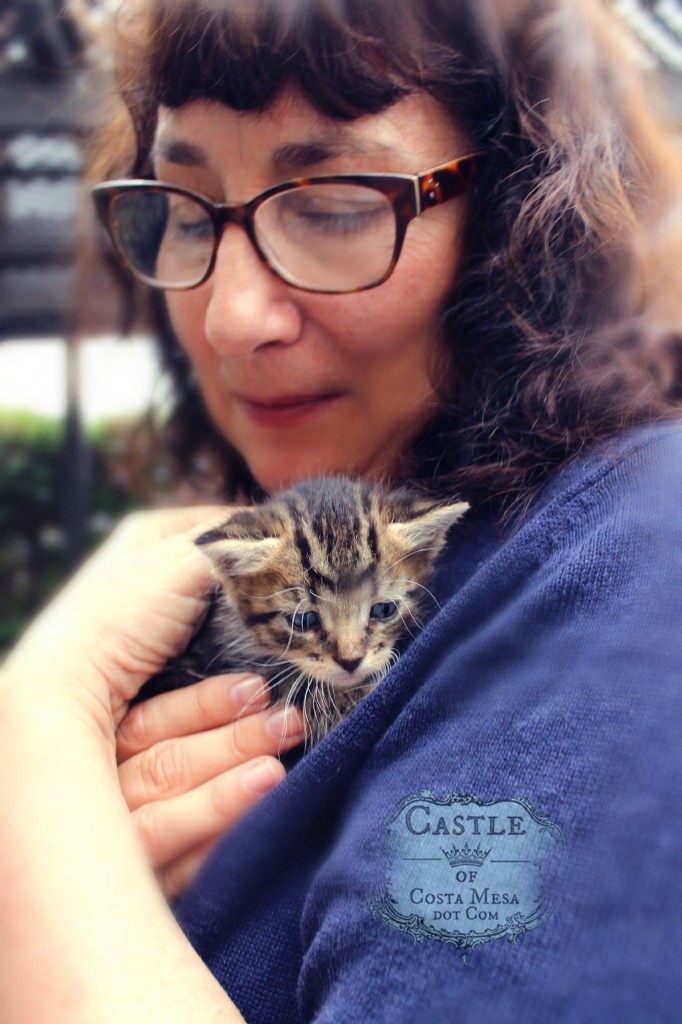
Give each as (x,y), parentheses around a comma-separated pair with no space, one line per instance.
(261,777)
(285,723)
(248,690)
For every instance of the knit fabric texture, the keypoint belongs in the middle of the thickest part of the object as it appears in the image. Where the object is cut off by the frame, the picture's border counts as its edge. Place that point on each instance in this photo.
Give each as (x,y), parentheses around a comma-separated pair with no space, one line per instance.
(552,672)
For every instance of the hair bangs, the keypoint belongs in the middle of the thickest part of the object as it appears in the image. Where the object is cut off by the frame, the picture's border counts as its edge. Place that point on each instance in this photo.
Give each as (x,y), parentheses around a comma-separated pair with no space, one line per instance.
(348,58)
(346,62)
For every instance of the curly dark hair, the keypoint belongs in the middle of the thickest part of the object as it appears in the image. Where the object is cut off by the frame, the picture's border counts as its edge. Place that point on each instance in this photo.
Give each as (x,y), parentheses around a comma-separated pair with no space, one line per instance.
(552,336)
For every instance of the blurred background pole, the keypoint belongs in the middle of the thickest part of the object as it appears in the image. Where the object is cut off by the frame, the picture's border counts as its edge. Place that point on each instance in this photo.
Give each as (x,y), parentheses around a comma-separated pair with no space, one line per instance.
(76,473)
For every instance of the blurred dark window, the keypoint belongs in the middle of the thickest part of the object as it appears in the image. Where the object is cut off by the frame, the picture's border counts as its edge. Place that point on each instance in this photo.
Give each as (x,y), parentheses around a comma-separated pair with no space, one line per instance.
(45,111)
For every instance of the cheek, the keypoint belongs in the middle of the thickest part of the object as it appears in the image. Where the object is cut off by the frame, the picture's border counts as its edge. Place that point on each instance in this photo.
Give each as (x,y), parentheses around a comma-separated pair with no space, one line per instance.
(399,333)
(430,263)
(187,313)
(402,318)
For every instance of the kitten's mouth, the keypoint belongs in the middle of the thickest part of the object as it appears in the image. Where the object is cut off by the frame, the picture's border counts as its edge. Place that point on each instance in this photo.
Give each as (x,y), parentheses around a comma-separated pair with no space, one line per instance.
(341,680)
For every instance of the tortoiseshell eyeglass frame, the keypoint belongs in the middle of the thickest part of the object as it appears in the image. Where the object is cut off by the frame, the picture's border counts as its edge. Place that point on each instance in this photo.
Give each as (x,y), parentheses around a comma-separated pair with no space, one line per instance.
(409,195)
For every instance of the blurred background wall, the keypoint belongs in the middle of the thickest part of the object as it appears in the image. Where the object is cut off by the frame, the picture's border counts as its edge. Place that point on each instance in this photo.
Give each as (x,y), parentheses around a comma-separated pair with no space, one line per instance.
(76,451)
(73,393)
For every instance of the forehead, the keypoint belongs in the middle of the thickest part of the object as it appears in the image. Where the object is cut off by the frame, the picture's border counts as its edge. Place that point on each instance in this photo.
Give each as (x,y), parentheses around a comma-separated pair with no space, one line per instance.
(292,137)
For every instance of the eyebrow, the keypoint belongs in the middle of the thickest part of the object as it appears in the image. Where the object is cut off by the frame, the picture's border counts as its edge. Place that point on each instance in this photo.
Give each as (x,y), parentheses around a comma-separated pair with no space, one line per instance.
(298,156)
(175,151)
(289,158)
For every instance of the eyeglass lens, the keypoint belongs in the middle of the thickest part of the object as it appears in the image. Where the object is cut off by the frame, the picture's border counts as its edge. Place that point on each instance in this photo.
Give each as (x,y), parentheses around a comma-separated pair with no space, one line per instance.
(336,237)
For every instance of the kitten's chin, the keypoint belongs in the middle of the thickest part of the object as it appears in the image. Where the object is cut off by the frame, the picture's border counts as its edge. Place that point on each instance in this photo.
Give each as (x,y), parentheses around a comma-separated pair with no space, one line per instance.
(344,681)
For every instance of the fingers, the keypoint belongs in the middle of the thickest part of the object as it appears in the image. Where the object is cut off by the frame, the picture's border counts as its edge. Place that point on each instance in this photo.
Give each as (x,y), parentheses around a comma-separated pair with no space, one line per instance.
(192,761)
(172,767)
(205,705)
(182,826)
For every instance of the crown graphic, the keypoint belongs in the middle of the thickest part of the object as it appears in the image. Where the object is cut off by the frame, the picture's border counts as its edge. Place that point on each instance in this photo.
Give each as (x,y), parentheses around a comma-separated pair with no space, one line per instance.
(465,855)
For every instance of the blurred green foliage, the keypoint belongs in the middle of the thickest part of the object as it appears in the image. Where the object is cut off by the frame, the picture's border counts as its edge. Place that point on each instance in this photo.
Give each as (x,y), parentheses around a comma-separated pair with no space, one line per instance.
(32,541)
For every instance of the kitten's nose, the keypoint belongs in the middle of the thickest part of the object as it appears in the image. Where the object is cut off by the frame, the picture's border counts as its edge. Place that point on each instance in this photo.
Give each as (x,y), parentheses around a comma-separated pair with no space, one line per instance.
(350,664)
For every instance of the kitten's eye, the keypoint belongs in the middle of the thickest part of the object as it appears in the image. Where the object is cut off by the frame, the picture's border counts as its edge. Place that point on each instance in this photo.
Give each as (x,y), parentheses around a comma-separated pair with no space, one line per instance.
(303,622)
(383,610)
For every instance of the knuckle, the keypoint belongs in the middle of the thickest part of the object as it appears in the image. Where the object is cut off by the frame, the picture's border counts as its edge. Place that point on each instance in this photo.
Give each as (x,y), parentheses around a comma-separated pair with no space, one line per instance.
(238,741)
(202,696)
(134,731)
(131,525)
(225,800)
(134,519)
(163,769)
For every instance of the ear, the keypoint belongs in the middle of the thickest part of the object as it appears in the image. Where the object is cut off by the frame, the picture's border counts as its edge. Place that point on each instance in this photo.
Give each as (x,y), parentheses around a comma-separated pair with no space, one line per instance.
(427,531)
(244,544)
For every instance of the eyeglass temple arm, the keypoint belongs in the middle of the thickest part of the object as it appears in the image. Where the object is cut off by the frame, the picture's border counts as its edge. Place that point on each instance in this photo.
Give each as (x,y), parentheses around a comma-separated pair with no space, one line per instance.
(446,182)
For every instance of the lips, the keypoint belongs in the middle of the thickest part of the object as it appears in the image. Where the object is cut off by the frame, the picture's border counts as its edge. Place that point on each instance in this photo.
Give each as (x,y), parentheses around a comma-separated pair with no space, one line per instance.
(285,410)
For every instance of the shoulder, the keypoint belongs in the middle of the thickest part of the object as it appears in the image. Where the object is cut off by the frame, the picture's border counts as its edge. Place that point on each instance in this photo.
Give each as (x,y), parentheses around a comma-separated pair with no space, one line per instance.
(639,472)
(606,518)
(550,675)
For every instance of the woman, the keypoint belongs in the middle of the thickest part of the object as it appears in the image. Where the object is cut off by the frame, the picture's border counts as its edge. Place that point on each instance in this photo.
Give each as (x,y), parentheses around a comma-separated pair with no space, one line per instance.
(516,352)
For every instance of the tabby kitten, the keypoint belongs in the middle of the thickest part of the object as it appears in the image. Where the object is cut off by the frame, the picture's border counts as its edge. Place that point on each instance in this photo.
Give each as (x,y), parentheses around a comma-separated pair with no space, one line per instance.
(318,589)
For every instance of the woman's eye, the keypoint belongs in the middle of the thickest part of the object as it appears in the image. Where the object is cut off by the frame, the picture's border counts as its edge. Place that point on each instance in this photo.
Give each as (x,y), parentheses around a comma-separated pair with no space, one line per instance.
(338,222)
(188,222)
(328,210)
(383,610)
(303,622)
(195,229)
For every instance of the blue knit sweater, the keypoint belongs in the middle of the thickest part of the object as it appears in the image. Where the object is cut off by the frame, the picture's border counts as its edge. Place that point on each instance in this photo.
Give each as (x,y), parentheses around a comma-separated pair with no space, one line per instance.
(552,676)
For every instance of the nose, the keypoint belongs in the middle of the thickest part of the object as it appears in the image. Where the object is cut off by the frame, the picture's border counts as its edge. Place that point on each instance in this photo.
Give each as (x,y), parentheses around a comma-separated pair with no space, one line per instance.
(350,664)
(249,306)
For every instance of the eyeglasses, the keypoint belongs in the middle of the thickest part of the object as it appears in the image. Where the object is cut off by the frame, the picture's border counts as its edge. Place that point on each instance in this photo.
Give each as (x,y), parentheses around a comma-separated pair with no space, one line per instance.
(334,233)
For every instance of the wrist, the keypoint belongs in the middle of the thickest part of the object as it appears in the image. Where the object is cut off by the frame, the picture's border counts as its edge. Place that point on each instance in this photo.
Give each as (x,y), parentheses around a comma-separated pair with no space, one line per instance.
(39,716)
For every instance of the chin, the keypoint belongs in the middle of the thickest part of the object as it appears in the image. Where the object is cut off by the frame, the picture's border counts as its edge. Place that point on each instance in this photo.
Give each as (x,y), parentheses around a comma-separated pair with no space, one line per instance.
(274,480)
(284,473)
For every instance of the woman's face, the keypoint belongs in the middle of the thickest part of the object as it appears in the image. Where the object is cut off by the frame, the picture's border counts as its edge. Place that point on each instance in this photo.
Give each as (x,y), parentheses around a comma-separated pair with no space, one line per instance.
(301,383)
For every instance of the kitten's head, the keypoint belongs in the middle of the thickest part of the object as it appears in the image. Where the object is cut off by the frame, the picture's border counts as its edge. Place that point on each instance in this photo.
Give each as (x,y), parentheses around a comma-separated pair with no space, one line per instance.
(331,575)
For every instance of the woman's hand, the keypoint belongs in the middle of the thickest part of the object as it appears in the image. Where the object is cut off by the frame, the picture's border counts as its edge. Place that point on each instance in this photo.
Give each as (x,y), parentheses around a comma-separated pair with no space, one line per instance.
(192,761)
(133,606)
(69,838)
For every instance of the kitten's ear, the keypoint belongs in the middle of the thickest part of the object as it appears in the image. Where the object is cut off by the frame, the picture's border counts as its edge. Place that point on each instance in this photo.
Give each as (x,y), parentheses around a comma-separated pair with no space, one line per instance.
(426,531)
(244,544)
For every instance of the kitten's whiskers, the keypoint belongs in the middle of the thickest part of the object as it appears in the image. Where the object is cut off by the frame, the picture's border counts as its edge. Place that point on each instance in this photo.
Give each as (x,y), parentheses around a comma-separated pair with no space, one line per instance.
(410,554)
(291,627)
(413,583)
(402,617)
(277,593)
(399,600)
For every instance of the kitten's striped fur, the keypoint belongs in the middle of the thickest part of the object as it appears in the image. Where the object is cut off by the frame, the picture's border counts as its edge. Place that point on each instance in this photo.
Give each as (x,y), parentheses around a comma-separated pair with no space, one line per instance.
(319,587)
